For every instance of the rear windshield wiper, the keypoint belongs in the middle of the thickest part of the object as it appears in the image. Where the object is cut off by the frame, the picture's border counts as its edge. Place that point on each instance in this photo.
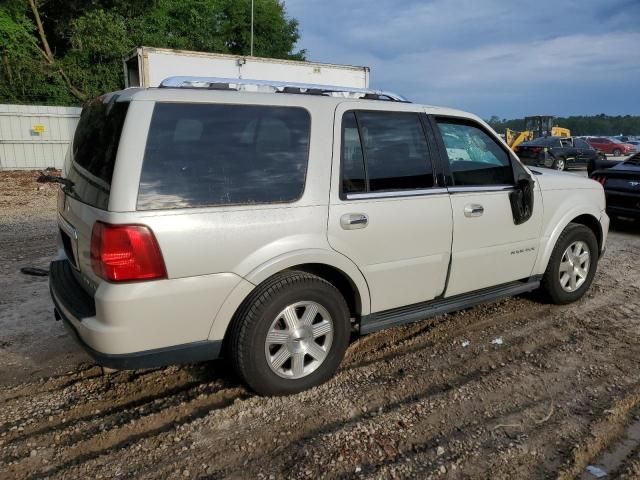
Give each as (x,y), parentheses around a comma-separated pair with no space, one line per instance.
(67,185)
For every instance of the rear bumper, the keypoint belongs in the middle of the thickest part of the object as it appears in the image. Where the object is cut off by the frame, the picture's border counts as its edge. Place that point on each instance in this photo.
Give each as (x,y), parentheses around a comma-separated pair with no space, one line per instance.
(624,212)
(128,340)
(626,204)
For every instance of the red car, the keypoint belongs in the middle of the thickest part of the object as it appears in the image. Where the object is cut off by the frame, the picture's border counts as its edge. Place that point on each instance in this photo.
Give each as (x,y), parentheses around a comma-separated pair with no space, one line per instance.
(614,147)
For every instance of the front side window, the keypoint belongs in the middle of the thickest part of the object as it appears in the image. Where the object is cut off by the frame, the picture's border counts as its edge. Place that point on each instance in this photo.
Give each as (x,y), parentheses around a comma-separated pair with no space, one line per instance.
(384,151)
(474,157)
(213,154)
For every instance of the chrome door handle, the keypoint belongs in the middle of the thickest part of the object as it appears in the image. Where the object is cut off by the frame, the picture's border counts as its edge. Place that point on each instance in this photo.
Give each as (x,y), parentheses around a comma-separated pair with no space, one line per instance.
(353,221)
(473,210)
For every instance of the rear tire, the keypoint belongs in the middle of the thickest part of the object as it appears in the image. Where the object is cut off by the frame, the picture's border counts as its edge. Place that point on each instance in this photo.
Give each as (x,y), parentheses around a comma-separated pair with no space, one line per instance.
(570,272)
(290,334)
(560,164)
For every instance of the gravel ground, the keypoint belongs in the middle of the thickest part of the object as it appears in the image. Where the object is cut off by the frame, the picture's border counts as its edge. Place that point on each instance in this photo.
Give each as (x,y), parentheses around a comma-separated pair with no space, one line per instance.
(438,399)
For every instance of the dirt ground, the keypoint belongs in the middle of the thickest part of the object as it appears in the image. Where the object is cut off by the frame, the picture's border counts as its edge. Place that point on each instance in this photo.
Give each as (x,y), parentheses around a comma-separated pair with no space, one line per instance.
(513,389)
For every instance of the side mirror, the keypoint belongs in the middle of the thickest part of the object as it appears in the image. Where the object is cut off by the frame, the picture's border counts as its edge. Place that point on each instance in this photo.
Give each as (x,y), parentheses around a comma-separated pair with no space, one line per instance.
(521,200)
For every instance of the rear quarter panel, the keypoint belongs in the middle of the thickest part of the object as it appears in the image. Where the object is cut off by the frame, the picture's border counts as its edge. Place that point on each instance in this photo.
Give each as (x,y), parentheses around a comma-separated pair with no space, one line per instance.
(249,241)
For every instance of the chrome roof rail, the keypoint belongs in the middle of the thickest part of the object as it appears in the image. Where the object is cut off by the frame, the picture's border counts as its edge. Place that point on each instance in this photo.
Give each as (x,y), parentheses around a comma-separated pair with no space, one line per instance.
(274,86)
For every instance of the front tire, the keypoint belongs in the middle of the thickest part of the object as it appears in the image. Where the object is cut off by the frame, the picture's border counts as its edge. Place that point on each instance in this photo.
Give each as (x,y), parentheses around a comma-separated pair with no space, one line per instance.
(290,334)
(560,164)
(572,265)
(617,152)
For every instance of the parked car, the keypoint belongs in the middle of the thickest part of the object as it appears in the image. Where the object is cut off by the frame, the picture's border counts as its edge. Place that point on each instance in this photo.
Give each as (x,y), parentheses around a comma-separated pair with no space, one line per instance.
(601,163)
(625,138)
(635,143)
(270,227)
(610,146)
(560,153)
(622,187)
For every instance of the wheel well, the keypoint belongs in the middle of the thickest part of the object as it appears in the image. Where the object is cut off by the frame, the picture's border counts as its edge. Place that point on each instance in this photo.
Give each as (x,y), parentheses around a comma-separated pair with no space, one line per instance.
(338,279)
(592,223)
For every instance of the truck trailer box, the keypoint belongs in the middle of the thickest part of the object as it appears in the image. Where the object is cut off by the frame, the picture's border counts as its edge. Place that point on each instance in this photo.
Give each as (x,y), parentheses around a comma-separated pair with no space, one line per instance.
(147,67)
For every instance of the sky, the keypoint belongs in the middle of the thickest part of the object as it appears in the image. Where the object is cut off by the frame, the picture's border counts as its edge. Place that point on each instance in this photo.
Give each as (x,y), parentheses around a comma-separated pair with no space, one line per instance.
(508,58)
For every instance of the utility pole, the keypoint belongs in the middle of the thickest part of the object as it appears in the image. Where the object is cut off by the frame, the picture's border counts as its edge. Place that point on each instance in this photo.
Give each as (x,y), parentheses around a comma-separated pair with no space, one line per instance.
(251,28)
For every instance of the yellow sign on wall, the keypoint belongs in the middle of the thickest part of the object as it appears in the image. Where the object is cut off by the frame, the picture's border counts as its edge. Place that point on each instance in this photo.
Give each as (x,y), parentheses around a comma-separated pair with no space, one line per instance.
(38,129)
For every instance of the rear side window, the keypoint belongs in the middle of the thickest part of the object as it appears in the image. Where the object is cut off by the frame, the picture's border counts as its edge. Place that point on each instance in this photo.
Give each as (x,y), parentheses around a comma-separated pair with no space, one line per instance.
(92,156)
(384,151)
(474,157)
(202,155)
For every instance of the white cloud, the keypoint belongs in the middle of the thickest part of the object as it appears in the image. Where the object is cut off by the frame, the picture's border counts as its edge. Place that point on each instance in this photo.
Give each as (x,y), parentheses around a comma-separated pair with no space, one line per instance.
(489,57)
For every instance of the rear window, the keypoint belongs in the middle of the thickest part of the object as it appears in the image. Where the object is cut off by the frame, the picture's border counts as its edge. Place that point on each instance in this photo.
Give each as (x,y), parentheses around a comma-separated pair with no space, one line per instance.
(202,155)
(92,156)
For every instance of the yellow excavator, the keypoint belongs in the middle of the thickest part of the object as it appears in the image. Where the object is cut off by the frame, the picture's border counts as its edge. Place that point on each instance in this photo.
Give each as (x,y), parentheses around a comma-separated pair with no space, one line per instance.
(534,127)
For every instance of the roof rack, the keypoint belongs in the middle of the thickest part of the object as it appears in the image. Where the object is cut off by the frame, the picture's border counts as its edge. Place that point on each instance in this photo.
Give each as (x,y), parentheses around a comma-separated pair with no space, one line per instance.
(272,86)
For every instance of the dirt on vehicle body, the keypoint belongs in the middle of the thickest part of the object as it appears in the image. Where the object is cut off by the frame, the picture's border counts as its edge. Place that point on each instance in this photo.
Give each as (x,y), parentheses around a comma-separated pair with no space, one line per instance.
(516,388)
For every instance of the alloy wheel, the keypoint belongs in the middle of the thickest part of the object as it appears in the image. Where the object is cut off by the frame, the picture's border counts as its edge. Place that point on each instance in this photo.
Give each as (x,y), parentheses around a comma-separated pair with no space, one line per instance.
(299,339)
(574,266)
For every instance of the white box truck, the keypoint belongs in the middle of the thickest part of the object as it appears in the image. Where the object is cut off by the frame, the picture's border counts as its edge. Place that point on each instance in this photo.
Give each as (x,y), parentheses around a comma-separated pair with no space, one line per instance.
(148,67)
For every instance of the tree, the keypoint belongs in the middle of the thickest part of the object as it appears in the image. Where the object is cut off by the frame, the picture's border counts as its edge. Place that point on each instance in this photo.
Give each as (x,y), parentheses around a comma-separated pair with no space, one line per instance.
(65,51)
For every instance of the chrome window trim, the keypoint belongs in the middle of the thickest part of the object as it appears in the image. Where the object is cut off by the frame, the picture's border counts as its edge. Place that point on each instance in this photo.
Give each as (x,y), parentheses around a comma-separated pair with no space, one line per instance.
(482,188)
(396,194)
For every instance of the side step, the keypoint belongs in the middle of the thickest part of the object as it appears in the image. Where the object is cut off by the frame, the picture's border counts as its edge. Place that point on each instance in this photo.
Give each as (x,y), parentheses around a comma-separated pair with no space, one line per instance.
(420,311)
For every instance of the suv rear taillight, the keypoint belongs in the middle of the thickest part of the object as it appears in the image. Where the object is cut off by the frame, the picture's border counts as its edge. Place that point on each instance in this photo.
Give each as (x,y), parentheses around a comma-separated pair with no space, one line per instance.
(126,253)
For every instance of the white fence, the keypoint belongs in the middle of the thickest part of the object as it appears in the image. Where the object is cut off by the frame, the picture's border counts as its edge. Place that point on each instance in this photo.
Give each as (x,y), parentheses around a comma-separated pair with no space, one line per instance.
(35,137)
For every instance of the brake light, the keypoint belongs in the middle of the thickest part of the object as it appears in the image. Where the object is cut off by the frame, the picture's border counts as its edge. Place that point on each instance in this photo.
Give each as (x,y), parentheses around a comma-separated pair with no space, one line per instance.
(125,253)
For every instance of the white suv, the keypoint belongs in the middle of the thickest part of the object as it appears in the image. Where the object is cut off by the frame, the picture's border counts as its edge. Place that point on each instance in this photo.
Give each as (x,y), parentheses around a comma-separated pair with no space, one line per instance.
(204,219)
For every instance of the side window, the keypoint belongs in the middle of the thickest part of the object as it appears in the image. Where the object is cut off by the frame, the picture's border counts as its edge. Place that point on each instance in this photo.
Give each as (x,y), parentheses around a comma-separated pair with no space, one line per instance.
(353,176)
(474,157)
(200,155)
(384,151)
(581,143)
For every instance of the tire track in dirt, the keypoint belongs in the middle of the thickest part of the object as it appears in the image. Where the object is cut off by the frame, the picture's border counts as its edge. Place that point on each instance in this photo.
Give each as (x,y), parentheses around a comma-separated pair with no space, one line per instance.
(96,438)
(559,353)
(96,392)
(49,384)
(446,384)
(534,407)
(523,336)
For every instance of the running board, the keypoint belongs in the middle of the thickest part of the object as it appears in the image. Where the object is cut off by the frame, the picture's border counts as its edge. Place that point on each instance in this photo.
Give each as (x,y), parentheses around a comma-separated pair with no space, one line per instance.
(420,311)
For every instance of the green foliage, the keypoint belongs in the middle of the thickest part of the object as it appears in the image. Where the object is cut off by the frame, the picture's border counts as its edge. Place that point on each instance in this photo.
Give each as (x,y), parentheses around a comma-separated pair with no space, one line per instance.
(89,38)
(580,125)
(24,75)
(99,40)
